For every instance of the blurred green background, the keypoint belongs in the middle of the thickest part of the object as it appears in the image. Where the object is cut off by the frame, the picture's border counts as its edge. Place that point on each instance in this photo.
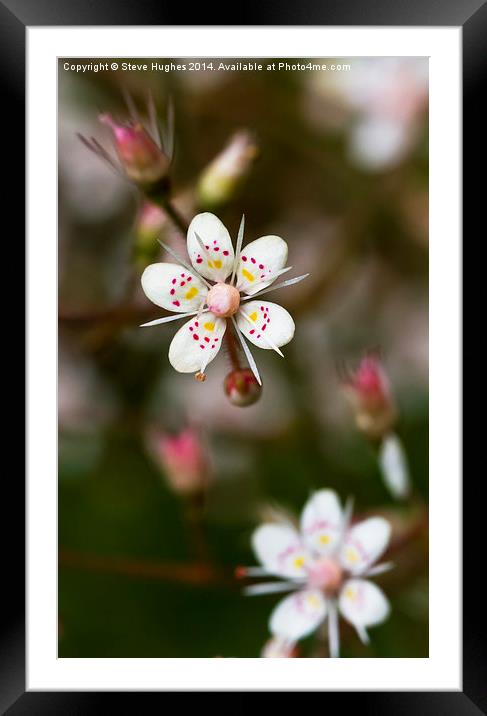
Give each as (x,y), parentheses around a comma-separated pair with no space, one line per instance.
(342,176)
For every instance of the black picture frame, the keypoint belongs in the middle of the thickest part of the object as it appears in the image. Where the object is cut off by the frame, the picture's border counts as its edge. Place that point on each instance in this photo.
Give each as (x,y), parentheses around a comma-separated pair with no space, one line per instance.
(15,17)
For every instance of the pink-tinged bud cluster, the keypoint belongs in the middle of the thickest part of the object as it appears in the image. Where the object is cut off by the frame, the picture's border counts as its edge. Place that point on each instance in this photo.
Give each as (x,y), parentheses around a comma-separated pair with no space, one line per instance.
(142,159)
(369,393)
(242,388)
(223,176)
(184,460)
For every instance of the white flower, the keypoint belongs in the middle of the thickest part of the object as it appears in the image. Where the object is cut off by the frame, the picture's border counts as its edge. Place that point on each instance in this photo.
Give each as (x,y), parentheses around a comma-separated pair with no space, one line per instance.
(211,292)
(326,564)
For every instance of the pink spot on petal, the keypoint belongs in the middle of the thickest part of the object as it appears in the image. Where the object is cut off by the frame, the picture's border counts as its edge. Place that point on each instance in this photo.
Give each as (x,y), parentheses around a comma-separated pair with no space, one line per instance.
(196,324)
(190,278)
(195,336)
(183,283)
(173,281)
(216,248)
(261,266)
(244,258)
(253,260)
(202,346)
(191,328)
(176,303)
(225,253)
(252,331)
(199,261)
(207,339)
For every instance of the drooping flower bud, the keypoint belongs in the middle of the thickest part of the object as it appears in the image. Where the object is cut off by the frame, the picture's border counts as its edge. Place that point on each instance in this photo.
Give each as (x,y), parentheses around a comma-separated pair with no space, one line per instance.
(184,460)
(143,160)
(242,388)
(224,175)
(369,393)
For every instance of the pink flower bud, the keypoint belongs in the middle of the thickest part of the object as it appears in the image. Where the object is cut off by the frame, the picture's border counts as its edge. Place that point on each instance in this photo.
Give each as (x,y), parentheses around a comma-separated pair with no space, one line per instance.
(144,162)
(369,393)
(242,388)
(184,460)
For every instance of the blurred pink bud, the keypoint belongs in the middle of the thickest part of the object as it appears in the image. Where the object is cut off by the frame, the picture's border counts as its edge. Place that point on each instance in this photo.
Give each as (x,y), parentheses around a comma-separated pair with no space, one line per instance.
(184,459)
(279,648)
(242,388)
(144,162)
(150,222)
(223,176)
(369,393)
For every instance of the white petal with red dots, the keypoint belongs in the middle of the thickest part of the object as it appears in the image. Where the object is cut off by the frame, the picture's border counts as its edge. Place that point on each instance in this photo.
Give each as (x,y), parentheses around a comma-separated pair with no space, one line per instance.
(259,263)
(265,324)
(364,544)
(280,550)
(298,615)
(210,247)
(362,603)
(173,287)
(197,343)
(322,522)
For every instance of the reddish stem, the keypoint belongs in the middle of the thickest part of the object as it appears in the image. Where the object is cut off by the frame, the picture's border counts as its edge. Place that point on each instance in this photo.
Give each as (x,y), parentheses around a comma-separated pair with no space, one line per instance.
(232,347)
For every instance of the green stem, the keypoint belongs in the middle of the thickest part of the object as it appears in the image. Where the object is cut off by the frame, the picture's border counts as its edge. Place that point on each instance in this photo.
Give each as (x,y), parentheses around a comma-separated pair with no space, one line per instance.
(177,219)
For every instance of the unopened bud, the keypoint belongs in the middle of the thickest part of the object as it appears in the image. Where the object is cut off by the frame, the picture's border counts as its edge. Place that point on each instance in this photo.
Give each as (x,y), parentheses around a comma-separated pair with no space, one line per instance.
(150,223)
(143,161)
(369,393)
(394,467)
(224,175)
(242,388)
(183,459)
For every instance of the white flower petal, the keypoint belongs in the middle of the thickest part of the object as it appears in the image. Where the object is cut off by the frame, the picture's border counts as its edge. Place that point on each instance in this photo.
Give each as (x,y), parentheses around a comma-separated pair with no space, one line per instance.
(259,263)
(173,287)
(322,522)
(298,615)
(265,324)
(274,287)
(210,247)
(196,343)
(393,464)
(364,544)
(246,350)
(279,549)
(362,603)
